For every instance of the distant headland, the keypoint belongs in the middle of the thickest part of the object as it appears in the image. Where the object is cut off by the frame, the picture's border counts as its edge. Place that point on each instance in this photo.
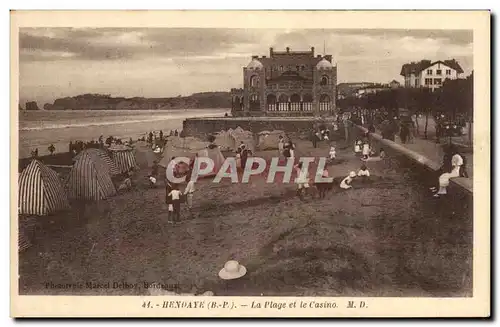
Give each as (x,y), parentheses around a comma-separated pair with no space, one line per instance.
(204,100)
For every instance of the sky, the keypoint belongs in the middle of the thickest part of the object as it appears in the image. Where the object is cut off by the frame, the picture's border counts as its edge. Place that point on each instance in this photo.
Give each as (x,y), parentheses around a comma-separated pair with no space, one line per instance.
(167,62)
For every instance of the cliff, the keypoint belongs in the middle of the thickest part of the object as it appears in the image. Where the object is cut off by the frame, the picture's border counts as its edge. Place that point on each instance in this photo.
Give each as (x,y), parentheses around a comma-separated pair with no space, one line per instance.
(102,102)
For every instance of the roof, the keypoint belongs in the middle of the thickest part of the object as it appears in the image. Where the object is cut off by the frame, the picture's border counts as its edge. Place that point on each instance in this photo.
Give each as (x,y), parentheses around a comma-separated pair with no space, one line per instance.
(417,67)
(255,64)
(324,64)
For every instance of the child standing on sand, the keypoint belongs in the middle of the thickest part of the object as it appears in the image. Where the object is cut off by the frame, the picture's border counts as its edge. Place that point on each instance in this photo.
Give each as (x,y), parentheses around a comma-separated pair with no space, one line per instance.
(189,191)
(281,145)
(176,203)
(332,153)
(302,179)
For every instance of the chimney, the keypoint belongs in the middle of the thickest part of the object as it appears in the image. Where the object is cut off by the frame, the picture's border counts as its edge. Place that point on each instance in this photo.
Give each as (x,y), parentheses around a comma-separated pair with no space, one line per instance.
(318,56)
(271,50)
(255,57)
(312,50)
(287,49)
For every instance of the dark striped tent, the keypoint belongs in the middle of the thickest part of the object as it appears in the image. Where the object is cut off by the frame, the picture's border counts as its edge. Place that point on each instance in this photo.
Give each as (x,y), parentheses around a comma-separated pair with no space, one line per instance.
(40,191)
(123,157)
(99,154)
(25,233)
(89,180)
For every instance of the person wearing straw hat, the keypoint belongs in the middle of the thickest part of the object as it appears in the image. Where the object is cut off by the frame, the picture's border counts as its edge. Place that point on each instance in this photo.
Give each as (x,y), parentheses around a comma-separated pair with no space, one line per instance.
(232,270)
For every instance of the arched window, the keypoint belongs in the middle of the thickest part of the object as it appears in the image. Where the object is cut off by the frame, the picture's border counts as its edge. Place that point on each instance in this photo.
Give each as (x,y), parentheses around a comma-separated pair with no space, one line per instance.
(281,68)
(303,67)
(271,102)
(283,102)
(295,103)
(307,99)
(298,68)
(324,102)
(254,102)
(254,81)
(324,80)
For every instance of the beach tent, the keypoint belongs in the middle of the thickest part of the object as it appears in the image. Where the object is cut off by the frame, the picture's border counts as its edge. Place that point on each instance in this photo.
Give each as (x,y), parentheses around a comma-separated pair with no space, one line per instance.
(240,135)
(123,157)
(174,151)
(224,140)
(90,180)
(144,156)
(40,191)
(25,232)
(217,157)
(101,155)
(213,153)
(269,140)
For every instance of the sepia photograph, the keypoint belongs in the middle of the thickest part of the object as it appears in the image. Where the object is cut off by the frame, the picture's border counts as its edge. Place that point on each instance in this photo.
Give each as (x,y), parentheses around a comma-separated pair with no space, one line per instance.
(288,166)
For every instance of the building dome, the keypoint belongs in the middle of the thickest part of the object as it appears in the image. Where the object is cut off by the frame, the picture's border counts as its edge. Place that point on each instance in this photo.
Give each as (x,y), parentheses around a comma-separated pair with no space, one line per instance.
(255,64)
(324,64)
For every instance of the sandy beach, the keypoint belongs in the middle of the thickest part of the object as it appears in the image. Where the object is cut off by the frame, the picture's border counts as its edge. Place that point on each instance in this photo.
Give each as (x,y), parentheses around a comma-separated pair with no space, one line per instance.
(38,129)
(360,242)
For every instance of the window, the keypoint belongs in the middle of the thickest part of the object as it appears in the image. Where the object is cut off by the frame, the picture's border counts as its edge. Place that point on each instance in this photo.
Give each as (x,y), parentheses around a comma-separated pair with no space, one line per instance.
(303,67)
(438,72)
(298,68)
(281,68)
(324,80)
(429,71)
(448,72)
(428,81)
(254,81)
(437,81)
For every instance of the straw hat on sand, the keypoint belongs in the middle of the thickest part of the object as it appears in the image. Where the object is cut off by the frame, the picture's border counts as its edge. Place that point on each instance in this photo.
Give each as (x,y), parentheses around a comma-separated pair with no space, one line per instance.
(232,270)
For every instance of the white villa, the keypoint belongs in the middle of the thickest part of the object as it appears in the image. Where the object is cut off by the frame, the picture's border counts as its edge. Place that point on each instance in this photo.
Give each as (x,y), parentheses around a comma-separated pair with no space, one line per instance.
(430,74)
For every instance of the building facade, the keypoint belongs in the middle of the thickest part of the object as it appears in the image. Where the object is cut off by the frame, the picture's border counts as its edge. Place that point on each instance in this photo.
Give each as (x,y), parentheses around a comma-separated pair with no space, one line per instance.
(287,83)
(430,74)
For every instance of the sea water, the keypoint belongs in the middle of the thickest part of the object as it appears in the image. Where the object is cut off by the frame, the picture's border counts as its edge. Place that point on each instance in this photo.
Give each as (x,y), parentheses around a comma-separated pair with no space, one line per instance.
(39,129)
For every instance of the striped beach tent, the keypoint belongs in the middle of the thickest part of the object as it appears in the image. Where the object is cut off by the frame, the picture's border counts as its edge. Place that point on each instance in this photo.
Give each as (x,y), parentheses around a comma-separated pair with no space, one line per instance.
(89,180)
(123,157)
(99,154)
(40,191)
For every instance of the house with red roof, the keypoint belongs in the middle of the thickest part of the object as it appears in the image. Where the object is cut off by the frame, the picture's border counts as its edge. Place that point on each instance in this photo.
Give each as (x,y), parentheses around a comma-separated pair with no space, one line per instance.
(426,73)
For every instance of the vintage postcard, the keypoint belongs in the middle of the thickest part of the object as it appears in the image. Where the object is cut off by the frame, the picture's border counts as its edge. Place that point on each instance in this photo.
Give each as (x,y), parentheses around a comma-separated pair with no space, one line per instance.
(250,164)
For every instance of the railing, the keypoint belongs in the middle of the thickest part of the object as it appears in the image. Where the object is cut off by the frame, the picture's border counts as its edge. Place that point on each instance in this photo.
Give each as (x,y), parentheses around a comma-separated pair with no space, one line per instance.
(290,106)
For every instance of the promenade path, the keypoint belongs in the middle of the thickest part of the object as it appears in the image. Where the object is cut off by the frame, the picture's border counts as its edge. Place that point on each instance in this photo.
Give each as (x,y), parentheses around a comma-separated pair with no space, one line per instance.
(434,151)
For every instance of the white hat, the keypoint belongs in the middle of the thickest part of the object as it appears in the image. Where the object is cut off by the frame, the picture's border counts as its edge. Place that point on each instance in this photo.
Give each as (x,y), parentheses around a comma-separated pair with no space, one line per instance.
(352,174)
(232,270)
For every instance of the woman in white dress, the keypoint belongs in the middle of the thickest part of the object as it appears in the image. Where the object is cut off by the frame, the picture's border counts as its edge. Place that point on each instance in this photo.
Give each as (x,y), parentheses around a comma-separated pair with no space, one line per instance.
(444,180)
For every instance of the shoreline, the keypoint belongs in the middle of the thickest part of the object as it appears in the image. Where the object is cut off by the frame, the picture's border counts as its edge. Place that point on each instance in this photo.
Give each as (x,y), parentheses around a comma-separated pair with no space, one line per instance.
(74,130)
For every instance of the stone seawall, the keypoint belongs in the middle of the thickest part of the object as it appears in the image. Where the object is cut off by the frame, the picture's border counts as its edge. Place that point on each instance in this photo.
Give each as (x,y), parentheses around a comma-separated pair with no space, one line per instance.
(293,126)
(461,187)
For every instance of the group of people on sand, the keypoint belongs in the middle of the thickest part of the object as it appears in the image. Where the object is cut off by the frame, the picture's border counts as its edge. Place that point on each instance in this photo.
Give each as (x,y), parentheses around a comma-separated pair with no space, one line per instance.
(174,197)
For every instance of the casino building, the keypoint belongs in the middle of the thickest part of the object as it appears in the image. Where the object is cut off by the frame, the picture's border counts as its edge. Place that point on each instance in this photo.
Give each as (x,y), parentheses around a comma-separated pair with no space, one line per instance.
(287,83)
